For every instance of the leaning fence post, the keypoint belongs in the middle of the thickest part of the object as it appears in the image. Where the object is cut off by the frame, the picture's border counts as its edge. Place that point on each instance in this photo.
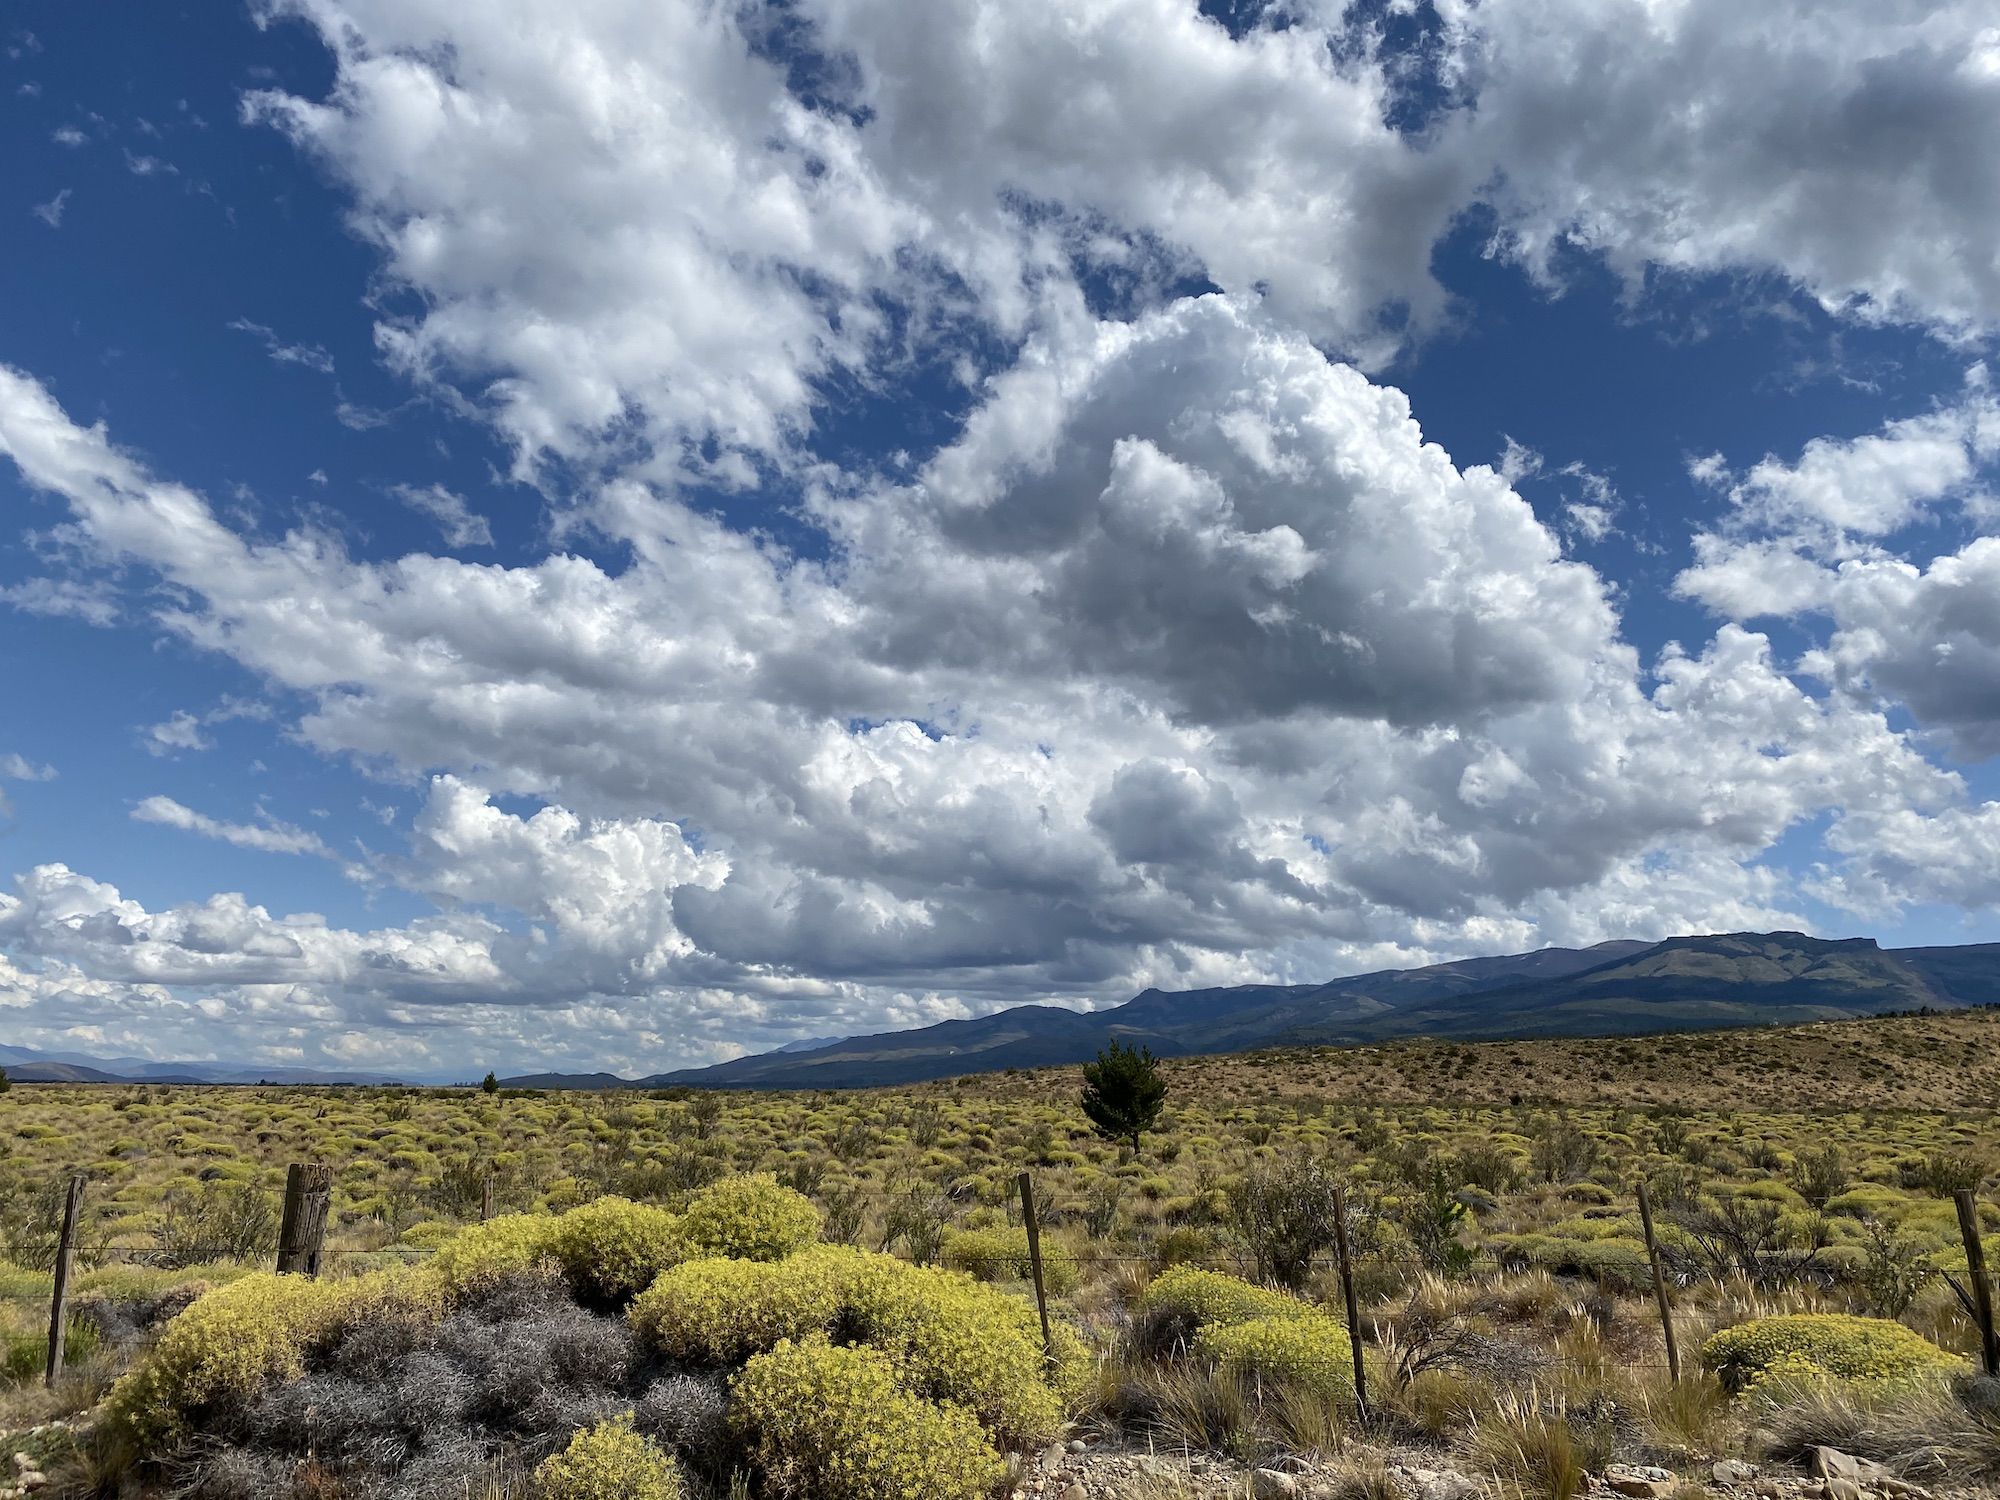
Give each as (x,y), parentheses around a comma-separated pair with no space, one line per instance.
(1034,1228)
(65,1257)
(308,1191)
(486,1198)
(1982,1292)
(1347,1295)
(1659,1284)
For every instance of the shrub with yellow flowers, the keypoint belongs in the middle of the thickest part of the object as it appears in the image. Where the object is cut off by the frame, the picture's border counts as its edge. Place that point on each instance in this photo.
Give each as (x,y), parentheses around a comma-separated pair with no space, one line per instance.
(1310,1354)
(609,1461)
(611,1249)
(1816,1347)
(752,1217)
(837,1424)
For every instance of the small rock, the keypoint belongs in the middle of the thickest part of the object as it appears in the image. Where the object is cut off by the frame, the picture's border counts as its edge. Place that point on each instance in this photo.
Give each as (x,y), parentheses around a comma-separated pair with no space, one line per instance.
(1831,1463)
(1270,1484)
(1732,1471)
(1641,1489)
(1836,1488)
(33,1479)
(1076,1492)
(1077,1445)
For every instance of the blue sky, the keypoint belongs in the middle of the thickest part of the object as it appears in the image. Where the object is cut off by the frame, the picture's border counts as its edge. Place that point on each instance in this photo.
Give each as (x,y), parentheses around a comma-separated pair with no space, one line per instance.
(613,534)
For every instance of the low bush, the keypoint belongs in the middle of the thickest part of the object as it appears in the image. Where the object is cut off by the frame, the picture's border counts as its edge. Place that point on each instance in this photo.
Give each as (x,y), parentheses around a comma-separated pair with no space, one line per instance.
(952,1338)
(958,1341)
(1822,1346)
(749,1218)
(1185,1299)
(609,1461)
(1002,1255)
(611,1249)
(476,1260)
(835,1424)
(1308,1354)
(231,1343)
(720,1312)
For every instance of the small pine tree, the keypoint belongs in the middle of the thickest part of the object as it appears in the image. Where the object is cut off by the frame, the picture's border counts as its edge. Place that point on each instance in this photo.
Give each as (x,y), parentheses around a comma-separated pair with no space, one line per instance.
(1123,1092)
(6,1083)
(489,1084)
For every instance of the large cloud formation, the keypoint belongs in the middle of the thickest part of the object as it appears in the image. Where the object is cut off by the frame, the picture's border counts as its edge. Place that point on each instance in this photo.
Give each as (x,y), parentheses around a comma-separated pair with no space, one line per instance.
(1184,658)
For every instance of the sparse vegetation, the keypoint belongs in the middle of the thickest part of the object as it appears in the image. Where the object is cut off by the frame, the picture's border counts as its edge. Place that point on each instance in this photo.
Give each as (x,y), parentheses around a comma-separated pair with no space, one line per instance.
(679,1279)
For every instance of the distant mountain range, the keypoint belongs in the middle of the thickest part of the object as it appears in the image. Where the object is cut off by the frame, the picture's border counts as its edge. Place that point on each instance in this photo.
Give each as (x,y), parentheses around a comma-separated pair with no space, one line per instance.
(1681,984)
(1625,987)
(26,1065)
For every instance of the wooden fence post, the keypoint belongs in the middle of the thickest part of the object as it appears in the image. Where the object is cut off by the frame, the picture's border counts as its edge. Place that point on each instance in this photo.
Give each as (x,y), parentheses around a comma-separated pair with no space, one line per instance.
(1659,1284)
(1347,1295)
(1982,1290)
(308,1191)
(486,1198)
(1034,1228)
(65,1257)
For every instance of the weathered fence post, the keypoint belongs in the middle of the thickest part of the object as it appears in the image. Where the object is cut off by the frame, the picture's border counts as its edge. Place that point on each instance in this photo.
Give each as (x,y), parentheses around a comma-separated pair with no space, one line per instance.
(65,1257)
(486,1198)
(1982,1290)
(1034,1227)
(308,1191)
(1659,1284)
(1347,1295)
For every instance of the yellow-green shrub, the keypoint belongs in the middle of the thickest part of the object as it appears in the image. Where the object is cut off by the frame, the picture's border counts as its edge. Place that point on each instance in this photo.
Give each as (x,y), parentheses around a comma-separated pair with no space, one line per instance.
(835,1424)
(1822,1346)
(609,1462)
(232,1342)
(960,1341)
(478,1258)
(1002,1255)
(612,1249)
(749,1218)
(1200,1298)
(952,1338)
(722,1311)
(1311,1354)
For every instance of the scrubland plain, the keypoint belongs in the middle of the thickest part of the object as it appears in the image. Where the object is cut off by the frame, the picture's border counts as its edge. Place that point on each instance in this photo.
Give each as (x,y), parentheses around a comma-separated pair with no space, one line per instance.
(825,1294)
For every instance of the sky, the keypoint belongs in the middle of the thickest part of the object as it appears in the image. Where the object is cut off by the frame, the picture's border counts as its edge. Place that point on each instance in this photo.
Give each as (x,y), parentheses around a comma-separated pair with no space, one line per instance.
(617,533)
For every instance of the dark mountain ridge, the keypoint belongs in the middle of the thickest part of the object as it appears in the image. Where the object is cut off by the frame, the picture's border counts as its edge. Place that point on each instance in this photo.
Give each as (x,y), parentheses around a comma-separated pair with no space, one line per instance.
(1621,987)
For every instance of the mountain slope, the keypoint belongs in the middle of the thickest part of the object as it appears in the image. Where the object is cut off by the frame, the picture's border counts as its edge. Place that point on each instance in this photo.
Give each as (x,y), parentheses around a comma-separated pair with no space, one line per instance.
(1726,979)
(1172,1023)
(1623,987)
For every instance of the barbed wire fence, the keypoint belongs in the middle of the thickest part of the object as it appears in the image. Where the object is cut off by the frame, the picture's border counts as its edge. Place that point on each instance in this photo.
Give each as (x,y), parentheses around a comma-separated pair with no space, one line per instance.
(306,1209)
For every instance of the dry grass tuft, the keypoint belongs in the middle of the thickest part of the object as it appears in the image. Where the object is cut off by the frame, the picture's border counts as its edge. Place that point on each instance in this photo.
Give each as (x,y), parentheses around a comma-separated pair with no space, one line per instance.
(1932,1428)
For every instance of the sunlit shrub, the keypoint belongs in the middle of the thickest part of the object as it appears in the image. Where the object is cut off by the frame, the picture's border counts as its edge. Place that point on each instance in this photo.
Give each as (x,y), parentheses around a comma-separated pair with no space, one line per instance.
(234,1341)
(1822,1346)
(611,1249)
(952,1338)
(1195,1298)
(835,1424)
(749,1218)
(959,1341)
(477,1259)
(1311,1354)
(609,1461)
(1002,1255)
(720,1312)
